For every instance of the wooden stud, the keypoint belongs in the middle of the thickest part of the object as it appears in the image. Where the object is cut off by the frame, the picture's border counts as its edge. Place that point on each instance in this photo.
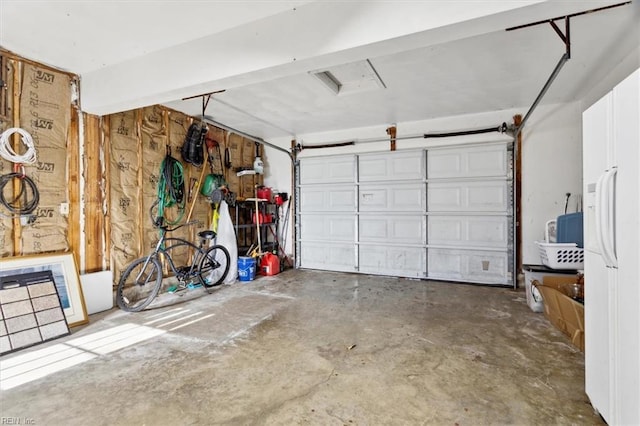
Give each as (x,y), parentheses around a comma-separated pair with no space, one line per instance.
(105,146)
(517,119)
(73,190)
(391,131)
(292,206)
(93,196)
(17,87)
(140,193)
(4,111)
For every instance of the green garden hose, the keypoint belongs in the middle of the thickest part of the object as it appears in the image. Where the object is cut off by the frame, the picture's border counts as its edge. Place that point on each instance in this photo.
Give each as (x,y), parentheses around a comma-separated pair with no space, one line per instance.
(170,190)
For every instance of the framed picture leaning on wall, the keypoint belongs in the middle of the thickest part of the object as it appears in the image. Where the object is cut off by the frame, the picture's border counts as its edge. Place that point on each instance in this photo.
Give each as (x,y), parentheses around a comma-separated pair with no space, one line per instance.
(65,275)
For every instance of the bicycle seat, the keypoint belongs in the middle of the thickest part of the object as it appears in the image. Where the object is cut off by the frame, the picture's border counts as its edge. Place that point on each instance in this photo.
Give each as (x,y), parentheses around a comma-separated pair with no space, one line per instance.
(207,234)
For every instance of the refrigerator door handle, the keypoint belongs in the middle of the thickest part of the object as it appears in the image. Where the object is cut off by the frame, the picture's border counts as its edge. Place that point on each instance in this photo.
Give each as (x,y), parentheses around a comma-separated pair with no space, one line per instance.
(608,229)
(598,216)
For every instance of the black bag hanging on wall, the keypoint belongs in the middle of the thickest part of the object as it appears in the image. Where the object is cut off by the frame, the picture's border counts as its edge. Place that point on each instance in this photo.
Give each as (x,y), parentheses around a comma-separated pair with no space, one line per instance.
(192,148)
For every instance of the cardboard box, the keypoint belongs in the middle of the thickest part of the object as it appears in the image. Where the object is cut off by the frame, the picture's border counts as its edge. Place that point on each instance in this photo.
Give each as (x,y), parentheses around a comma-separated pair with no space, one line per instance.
(563,312)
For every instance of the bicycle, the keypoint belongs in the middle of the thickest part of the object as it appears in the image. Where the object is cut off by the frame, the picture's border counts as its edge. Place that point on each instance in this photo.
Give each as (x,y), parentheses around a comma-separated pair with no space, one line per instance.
(141,282)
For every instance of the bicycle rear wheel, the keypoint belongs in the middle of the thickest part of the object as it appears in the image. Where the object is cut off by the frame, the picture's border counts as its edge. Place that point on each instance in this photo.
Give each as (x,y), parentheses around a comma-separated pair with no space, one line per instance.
(139,284)
(214,266)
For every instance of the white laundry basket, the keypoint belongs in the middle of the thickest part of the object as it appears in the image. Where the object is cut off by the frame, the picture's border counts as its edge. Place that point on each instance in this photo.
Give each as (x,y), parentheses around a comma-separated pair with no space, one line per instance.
(561,255)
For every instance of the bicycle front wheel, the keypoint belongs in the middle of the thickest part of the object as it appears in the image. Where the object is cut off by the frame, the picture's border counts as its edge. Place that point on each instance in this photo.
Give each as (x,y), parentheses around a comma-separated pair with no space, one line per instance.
(139,284)
(214,266)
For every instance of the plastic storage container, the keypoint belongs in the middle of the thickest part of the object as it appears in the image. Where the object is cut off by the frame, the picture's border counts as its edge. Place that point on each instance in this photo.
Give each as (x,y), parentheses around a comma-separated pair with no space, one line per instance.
(569,229)
(246,268)
(561,256)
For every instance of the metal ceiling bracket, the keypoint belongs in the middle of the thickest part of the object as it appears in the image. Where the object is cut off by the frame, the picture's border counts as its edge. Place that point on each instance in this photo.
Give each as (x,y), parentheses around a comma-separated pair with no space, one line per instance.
(211,121)
(566,39)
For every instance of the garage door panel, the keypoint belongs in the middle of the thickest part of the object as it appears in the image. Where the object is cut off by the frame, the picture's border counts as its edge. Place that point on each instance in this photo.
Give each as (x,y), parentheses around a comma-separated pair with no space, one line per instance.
(388,198)
(328,227)
(488,196)
(327,198)
(440,213)
(488,267)
(384,167)
(328,256)
(328,170)
(487,162)
(443,164)
(444,230)
(480,161)
(397,261)
(392,229)
(465,231)
(469,265)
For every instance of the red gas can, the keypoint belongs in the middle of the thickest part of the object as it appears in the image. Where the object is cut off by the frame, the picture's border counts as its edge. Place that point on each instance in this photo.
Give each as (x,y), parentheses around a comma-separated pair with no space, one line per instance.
(270,264)
(264,192)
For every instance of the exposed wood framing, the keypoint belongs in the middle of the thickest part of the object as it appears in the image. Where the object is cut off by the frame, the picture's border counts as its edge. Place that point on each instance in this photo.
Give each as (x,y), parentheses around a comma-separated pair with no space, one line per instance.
(140,150)
(105,143)
(94,246)
(391,131)
(17,87)
(73,179)
(4,90)
(22,60)
(293,202)
(517,120)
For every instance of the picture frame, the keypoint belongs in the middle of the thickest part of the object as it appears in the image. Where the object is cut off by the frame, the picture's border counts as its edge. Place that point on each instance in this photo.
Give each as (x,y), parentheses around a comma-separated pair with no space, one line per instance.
(65,275)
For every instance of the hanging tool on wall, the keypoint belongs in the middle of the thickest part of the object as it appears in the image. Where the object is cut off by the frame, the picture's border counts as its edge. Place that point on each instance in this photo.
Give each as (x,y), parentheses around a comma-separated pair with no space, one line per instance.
(192,148)
(212,145)
(170,191)
(213,182)
(227,158)
(258,165)
(256,251)
(195,191)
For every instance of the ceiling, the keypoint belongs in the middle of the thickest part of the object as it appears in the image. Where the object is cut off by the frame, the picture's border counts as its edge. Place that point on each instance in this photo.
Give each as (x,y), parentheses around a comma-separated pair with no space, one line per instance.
(435,58)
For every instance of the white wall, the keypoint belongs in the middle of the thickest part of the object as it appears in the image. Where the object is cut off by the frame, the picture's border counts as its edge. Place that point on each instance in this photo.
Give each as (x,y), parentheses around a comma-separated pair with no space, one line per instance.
(551,167)
(551,158)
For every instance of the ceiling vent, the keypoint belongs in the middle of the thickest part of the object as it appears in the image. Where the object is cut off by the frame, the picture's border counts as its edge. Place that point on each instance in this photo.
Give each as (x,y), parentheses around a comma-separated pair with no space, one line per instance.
(354,77)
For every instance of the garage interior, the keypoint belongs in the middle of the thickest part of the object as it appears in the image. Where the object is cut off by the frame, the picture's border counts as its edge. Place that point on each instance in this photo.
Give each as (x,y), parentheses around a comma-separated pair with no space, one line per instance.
(417,150)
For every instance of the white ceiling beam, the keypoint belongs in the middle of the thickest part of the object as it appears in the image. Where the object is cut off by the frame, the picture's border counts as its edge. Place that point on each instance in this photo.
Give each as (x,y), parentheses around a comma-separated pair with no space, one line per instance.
(312,36)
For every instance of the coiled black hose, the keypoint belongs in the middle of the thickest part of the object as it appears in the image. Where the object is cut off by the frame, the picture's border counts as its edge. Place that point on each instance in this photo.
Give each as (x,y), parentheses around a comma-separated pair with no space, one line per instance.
(14,205)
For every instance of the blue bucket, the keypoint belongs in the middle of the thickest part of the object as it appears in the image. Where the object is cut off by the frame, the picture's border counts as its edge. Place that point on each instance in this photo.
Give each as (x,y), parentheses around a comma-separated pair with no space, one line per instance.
(246,268)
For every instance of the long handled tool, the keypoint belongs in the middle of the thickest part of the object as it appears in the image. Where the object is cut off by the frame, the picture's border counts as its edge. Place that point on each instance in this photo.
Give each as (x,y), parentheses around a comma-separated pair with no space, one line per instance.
(257,251)
(196,189)
(257,216)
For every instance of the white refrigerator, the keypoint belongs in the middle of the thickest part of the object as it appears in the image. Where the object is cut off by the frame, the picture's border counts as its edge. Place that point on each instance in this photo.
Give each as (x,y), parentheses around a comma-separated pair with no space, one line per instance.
(611,160)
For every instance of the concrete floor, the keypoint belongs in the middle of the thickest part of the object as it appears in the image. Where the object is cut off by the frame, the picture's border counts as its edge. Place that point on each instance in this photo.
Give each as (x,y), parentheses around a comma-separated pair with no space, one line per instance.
(309,347)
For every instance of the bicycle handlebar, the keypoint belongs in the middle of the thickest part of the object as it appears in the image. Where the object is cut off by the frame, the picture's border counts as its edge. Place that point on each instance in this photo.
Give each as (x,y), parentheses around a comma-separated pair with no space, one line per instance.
(165,228)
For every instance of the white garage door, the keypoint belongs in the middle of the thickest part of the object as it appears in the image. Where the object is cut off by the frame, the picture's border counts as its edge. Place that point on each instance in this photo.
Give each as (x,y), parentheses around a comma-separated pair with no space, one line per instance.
(439,213)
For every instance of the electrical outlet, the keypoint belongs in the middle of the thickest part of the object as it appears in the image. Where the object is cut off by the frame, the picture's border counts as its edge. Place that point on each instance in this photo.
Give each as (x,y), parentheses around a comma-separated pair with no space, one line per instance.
(64,208)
